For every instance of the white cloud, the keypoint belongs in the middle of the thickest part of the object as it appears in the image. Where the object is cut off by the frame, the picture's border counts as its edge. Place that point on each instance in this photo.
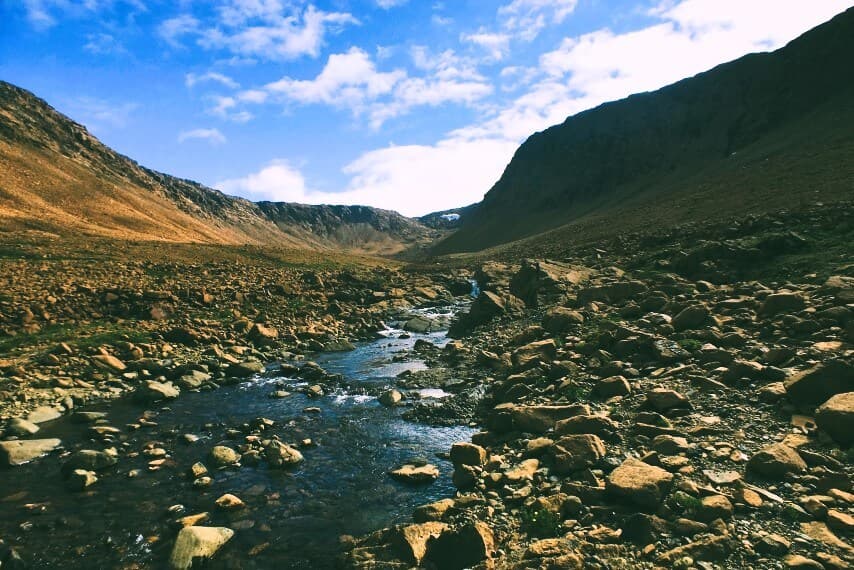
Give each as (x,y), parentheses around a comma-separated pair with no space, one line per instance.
(386,4)
(496,45)
(278,181)
(175,29)
(213,136)
(103,44)
(352,81)
(192,79)
(270,30)
(226,108)
(527,17)
(44,14)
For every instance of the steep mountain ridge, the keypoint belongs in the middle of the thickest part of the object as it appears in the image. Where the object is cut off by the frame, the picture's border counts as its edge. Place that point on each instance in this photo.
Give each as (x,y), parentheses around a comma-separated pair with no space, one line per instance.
(55,177)
(600,158)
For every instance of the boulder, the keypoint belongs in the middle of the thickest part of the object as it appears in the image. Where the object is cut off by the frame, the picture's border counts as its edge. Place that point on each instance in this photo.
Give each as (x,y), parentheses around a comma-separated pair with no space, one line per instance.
(540,419)
(245,369)
(785,302)
(468,454)
(197,542)
(43,414)
(534,353)
(820,383)
(109,362)
(775,462)
(21,428)
(577,452)
(262,335)
(89,460)
(539,280)
(639,483)
(421,324)
(433,511)
(836,418)
(663,400)
(463,547)
(560,320)
(19,452)
(410,541)
(390,398)
(692,317)
(612,386)
(153,391)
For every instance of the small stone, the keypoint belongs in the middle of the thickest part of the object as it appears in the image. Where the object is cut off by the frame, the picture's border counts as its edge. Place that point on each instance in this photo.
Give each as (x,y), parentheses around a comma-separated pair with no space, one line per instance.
(80,479)
(662,400)
(576,452)
(612,386)
(279,454)
(229,502)
(222,455)
(714,507)
(390,398)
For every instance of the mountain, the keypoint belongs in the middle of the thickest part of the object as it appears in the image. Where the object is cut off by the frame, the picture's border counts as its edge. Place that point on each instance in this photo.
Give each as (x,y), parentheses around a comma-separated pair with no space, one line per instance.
(58,179)
(766,130)
(447,219)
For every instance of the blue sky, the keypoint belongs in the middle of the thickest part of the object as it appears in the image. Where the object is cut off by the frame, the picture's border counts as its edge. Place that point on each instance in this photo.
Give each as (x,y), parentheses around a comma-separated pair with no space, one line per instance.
(410,105)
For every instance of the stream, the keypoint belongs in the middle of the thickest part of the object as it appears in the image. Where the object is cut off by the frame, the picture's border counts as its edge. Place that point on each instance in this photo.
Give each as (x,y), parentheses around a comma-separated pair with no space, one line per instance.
(293,518)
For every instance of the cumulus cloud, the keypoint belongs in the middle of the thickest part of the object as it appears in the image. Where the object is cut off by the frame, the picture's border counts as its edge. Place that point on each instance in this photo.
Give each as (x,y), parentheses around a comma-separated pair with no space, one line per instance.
(277,181)
(213,136)
(527,18)
(496,45)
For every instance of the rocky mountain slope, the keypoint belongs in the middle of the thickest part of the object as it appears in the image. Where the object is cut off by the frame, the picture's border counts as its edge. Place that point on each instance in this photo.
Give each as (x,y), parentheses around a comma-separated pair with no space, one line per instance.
(765,130)
(55,177)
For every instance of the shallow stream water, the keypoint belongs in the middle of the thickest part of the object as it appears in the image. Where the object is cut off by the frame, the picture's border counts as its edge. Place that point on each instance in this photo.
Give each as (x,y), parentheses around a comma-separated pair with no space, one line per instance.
(293,519)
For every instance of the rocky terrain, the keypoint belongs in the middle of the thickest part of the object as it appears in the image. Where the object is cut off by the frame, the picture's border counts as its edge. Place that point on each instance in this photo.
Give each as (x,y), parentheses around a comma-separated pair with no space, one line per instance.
(762,132)
(653,408)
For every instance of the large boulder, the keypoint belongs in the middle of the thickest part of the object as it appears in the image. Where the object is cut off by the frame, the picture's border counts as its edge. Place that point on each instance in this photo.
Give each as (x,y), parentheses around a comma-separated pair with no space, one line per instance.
(462,547)
(410,541)
(89,460)
(197,542)
(153,391)
(487,306)
(820,383)
(836,418)
(785,302)
(262,335)
(540,419)
(691,317)
(639,483)
(464,453)
(534,353)
(18,452)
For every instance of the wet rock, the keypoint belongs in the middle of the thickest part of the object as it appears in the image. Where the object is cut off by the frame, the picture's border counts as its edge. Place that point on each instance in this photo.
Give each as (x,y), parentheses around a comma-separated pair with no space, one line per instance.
(19,452)
(21,427)
(776,461)
(390,398)
(576,452)
(245,369)
(153,391)
(639,483)
(43,414)
(222,456)
(433,511)
(415,474)
(464,547)
(87,417)
(421,324)
(820,383)
(836,418)
(197,542)
(89,460)
(229,502)
(80,479)
(279,454)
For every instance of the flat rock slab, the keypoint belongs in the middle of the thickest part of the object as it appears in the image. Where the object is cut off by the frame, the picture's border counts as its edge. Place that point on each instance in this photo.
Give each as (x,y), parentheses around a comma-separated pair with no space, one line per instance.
(43,414)
(13,453)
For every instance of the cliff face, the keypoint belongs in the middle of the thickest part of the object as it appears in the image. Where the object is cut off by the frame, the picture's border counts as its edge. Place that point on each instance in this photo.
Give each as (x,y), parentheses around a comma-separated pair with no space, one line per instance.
(611,153)
(55,177)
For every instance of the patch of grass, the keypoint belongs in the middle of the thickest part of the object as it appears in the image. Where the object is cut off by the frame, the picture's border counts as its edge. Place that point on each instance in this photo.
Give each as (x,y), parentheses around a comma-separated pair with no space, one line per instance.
(690,344)
(540,523)
(686,502)
(84,336)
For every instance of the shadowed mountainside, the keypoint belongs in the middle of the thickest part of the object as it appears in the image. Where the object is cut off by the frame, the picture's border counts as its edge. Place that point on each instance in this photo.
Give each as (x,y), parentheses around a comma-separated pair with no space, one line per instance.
(687,151)
(56,178)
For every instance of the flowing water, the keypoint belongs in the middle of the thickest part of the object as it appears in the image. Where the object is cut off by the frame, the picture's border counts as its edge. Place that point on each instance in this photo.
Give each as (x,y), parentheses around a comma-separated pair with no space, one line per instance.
(293,518)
